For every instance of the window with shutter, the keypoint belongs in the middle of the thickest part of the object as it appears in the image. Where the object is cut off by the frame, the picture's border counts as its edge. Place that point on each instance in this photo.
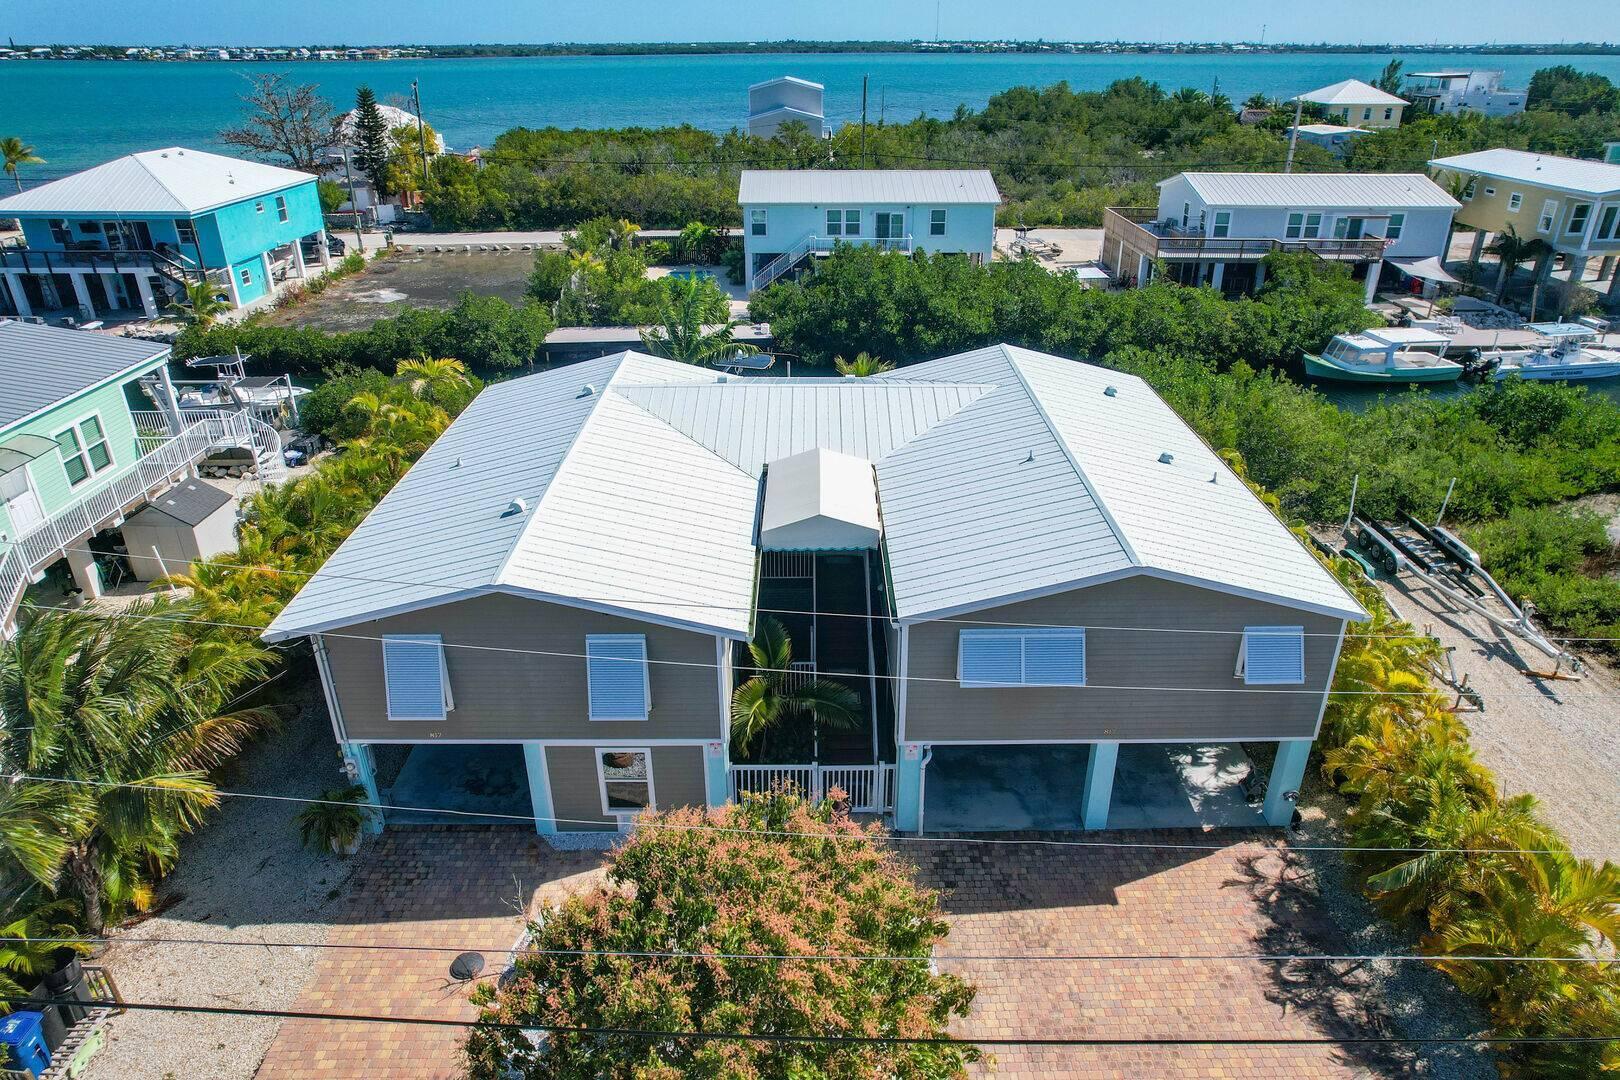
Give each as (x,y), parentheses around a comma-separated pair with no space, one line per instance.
(416,678)
(1272,655)
(617,676)
(1035,656)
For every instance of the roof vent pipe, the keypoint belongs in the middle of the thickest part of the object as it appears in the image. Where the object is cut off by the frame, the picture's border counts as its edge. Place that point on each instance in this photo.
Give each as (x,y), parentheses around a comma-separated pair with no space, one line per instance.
(1109,391)
(1167,458)
(586,391)
(516,506)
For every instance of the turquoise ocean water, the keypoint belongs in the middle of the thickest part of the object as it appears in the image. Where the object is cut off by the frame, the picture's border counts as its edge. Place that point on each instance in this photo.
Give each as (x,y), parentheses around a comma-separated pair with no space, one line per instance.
(78,113)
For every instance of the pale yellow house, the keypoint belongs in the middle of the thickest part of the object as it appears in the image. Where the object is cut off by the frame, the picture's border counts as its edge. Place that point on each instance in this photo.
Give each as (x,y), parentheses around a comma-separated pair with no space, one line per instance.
(1354,103)
(1572,204)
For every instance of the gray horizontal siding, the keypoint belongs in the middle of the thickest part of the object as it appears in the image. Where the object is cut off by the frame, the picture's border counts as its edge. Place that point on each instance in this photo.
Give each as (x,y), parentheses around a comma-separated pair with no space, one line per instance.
(943,711)
(511,696)
(677,773)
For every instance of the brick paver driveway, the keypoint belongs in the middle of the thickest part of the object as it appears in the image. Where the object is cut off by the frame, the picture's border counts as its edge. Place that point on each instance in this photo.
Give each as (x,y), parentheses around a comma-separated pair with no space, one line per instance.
(465,886)
(1243,899)
(420,886)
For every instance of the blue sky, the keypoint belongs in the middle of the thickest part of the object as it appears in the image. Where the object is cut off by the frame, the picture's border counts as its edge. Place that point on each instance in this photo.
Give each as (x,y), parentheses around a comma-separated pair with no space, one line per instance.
(448,21)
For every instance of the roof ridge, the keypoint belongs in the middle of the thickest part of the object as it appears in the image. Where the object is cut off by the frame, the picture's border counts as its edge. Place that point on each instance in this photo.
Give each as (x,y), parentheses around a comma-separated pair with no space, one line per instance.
(140,159)
(1068,452)
(499,577)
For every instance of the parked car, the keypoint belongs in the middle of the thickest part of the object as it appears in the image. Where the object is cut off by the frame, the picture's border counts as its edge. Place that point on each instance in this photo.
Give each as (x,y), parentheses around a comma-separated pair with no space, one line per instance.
(334,246)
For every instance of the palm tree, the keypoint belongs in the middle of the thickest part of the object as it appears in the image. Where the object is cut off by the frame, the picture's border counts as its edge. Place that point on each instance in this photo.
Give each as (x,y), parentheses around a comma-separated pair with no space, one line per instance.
(127,714)
(697,328)
(32,959)
(622,233)
(695,240)
(432,379)
(16,152)
(864,365)
(775,692)
(203,304)
(1513,250)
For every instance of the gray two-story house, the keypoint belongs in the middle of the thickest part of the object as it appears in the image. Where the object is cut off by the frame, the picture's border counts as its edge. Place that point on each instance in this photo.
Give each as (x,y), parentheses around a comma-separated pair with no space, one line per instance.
(1012,559)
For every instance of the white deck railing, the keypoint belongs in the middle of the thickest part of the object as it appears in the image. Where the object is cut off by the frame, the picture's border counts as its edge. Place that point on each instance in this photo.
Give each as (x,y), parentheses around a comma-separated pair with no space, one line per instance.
(162,463)
(869,788)
(812,243)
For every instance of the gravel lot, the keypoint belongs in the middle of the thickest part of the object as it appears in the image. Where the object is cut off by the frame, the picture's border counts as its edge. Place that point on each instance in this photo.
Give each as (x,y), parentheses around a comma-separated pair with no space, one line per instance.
(414,279)
(243,877)
(1552,738)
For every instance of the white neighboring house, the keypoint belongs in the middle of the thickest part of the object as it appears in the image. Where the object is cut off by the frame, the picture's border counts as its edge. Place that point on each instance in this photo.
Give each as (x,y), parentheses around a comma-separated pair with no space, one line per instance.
(1357,104)
(1216,228)
(1463,91)
(346,140)
(1333,137)
(793,215)
(774,102)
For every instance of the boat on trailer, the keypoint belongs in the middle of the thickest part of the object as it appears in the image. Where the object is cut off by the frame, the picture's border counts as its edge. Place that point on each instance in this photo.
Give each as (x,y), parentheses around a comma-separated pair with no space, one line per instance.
(1565,353)
(1388,354)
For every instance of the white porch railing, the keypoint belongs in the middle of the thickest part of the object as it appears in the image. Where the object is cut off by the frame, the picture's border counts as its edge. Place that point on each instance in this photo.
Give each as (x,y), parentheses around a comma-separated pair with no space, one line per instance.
(869,788)
(156,469)
(255,434)
(813,243)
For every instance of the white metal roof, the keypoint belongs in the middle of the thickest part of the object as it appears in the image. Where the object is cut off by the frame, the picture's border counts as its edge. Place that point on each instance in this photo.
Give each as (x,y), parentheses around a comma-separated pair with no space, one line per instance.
(819,500)
(173,180)
(787,79)
(1331,129)
(1380,191)
(1545,170)
(906,186)
(1407,335)
(1001,473)
(1351,92)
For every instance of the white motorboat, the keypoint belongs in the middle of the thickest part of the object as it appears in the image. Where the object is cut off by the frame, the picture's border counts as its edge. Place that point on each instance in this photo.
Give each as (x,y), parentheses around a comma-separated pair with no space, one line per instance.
(1563,353)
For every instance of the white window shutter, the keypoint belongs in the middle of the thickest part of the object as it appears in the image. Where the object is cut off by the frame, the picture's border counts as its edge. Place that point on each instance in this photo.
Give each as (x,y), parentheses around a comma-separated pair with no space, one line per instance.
(616,670)
(1273,655)
(990,658)
(1055,657)
(415,676)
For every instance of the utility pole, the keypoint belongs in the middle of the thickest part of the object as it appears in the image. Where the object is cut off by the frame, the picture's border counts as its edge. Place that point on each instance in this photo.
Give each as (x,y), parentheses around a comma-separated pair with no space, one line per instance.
(936,21)
(421,134)
(864,78)
(1293,134)
(360,243)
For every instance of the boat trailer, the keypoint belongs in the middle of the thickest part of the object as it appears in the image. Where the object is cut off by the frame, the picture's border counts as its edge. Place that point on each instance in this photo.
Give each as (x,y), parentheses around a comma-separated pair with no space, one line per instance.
(1439,558)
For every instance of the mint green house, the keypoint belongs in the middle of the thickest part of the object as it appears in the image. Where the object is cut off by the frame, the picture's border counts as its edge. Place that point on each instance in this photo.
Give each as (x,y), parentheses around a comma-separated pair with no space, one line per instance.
(119,239)
(89,433)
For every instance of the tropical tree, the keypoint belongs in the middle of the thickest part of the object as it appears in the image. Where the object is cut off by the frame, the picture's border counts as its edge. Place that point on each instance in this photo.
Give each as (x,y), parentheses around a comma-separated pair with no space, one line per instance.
(773,876)
(1513,251)
(774,693)
(695,242)
(864,365)
(432,379)
(286,121)
(697,327)
(369,133)
(126,714)
(202,305)
(24,962)
(1389,80)
(15,152)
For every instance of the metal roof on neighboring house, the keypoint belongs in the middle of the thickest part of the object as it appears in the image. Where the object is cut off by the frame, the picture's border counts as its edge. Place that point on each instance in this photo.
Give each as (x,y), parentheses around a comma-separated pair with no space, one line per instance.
(1394,191)
(819,186)
(787,79)
(1350,92)
(630,484)
(173,180)
(1545,170)
(42,365)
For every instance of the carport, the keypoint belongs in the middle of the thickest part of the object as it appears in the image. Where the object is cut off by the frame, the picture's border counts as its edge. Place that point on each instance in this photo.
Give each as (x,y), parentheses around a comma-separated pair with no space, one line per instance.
(481,778)
(1003,788)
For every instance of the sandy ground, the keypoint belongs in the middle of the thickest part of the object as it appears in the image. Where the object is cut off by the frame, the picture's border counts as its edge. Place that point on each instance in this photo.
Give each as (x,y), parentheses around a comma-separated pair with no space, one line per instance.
(244,877)
(1554,739)
(414,279)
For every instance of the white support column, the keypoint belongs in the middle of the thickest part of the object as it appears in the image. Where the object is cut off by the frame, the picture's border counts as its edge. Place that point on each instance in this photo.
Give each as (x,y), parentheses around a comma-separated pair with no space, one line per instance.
(81,292)
(1282,787)
(534,762)
(1577,271)
(298,259)
(362,769)
(148,302)
(85,573)
(18,296)
(1373,270)
(1259,275)
(232,288)
(322,252)
(716,774)
(1478,248)
(908,787)
(1218,275)
(269,279)
(1099,788)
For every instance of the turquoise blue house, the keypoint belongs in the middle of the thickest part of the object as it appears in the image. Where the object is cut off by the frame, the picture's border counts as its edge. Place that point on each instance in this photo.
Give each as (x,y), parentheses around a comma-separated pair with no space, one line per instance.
(120,239)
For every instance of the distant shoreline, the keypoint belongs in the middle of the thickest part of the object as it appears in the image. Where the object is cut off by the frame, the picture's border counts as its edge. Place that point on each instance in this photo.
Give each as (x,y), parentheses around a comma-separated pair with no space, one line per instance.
(188,53)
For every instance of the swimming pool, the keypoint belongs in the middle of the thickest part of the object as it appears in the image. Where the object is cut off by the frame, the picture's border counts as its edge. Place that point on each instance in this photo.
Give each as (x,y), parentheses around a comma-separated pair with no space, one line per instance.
(693,274)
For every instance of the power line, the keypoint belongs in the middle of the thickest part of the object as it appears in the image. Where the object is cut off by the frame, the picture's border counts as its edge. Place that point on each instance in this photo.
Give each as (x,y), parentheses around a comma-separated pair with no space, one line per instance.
(1276,958)
(645,823)
(863,1040)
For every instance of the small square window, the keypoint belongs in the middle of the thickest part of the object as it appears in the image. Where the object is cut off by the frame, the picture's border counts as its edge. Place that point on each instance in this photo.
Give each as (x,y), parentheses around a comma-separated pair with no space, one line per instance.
(1515,200)
(1389,113)
(756,222)
(936,223)
(1272,656)
(258,207)
(1397,224)
(281,207)
(186,231)
(247,276)
(625,781)
(1223,224)
(1296,223)
(1489,191)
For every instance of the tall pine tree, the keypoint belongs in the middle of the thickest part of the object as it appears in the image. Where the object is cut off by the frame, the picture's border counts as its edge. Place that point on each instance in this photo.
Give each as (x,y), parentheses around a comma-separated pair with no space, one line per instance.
(371,145)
